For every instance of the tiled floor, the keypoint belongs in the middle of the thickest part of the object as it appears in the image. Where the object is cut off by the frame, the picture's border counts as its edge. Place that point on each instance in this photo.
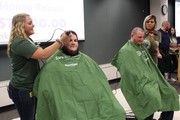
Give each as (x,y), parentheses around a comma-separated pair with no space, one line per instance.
(129,113)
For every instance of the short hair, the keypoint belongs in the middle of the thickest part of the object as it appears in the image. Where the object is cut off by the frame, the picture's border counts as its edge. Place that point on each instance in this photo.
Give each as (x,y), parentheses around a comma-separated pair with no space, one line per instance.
(135,30)
(73,32)
(165,23)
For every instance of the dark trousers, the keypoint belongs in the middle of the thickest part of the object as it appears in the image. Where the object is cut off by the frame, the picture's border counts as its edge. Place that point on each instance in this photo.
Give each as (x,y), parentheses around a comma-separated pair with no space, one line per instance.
(164,64)
(164,116)
(174,62)
(24,103)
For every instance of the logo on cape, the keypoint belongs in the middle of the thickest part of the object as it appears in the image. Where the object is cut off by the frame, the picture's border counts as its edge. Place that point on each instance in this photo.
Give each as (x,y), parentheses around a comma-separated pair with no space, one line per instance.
(61,57)
(144,54)
(138,53)
(71,64)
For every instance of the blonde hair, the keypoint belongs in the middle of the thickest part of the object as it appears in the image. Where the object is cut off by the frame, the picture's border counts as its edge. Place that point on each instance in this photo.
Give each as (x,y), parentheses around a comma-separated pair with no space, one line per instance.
(17,29)
(147,18)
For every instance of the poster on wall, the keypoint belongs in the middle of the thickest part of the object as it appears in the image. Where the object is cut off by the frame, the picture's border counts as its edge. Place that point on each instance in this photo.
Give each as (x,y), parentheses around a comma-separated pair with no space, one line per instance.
(52,16)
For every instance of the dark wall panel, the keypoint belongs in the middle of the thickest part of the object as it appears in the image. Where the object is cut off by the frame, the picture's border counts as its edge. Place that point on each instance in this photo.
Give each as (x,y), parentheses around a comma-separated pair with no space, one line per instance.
(171,12)
(5,65)
(108,24)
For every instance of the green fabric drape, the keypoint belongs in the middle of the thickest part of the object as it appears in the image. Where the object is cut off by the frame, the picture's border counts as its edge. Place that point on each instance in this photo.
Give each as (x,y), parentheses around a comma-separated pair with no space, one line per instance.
(142,84)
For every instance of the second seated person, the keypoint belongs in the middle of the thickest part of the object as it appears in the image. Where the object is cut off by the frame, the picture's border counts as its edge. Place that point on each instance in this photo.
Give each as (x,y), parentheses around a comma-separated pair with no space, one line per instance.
(142,84)
(72,86)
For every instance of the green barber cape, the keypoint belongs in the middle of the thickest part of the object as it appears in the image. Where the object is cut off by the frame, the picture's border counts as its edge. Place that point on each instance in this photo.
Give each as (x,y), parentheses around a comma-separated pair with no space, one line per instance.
(74,88)
(142,84)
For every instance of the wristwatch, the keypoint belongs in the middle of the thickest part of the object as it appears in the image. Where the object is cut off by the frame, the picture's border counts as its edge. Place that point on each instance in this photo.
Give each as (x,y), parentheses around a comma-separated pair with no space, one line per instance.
(59,41)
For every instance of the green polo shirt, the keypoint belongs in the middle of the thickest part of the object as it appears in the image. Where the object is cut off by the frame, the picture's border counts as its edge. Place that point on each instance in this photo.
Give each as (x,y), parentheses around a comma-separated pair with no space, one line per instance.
(24,68)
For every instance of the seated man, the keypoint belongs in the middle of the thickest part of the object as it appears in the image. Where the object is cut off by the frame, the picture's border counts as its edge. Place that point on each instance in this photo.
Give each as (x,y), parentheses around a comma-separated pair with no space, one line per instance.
(142,84)
(71,86)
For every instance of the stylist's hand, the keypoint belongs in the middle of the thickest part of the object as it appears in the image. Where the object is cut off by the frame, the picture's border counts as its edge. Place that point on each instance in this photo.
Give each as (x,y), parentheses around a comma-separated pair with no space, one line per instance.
(65,37)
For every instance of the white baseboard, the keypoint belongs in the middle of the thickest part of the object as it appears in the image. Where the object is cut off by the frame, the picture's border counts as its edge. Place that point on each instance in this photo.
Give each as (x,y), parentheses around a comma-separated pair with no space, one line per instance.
(110,71)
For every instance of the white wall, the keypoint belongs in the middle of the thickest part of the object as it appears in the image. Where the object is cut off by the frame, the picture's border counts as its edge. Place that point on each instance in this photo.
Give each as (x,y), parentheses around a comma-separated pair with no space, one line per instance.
(155,9)
(4,100)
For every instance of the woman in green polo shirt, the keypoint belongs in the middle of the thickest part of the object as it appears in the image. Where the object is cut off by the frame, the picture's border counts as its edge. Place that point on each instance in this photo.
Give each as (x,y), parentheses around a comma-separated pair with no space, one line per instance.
(24,56)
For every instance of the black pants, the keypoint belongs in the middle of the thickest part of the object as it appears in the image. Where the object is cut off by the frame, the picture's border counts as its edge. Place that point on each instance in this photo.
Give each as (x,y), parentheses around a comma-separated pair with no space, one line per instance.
(164,116)
(174,62)
(164,64)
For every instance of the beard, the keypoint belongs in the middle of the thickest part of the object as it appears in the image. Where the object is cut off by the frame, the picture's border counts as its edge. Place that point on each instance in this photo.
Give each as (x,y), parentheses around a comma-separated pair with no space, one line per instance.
(66,51)
(167,28)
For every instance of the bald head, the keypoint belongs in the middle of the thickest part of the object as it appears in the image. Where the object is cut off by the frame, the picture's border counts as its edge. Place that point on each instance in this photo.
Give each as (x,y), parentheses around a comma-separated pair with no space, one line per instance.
(165,26)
